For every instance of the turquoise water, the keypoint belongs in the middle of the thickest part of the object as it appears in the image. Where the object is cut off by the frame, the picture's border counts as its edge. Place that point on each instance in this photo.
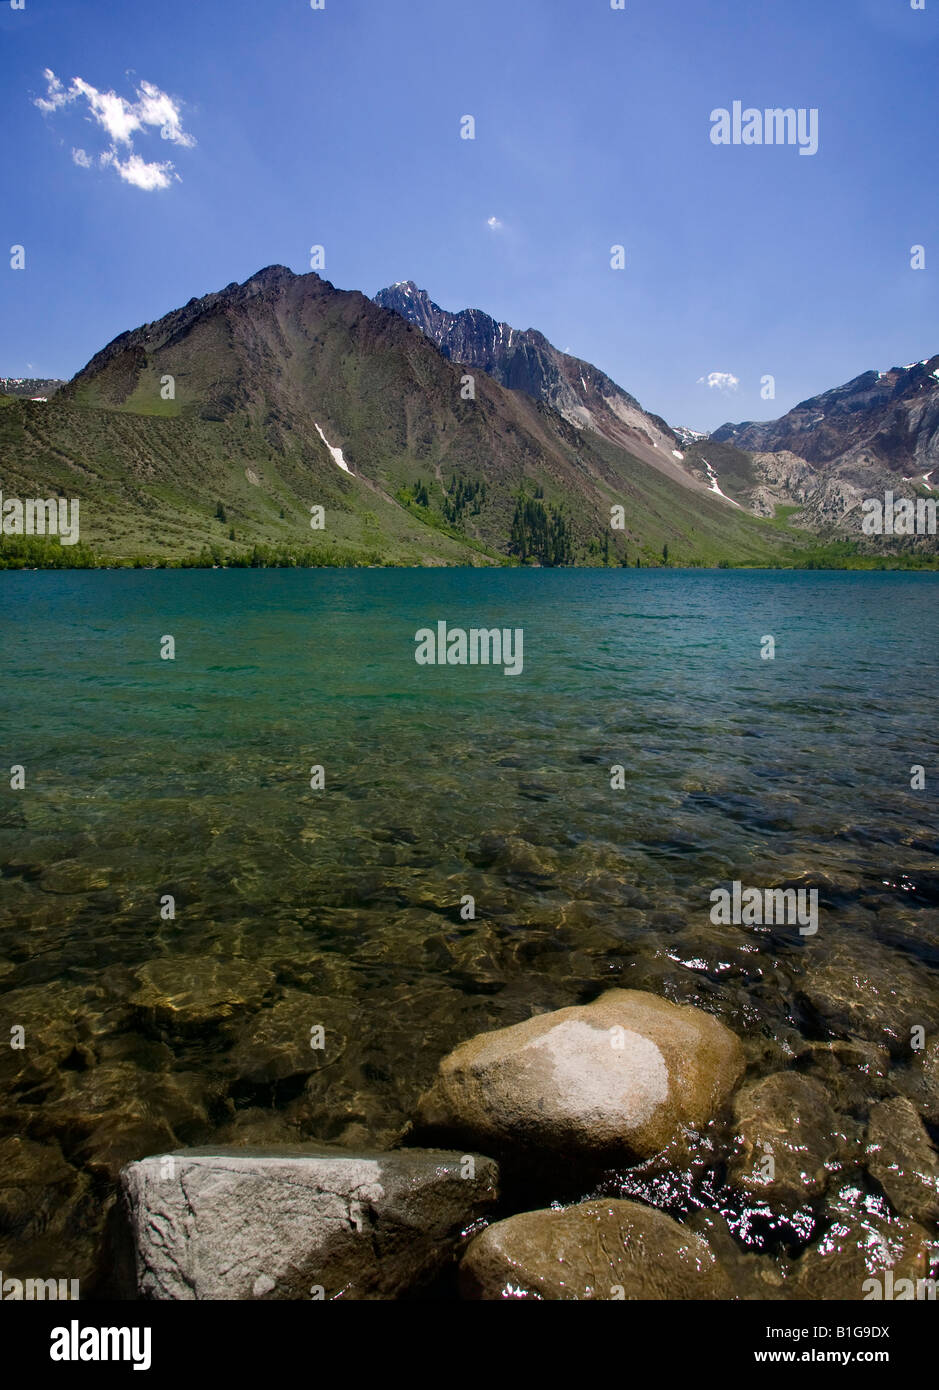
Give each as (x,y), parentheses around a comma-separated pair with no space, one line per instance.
(190,778)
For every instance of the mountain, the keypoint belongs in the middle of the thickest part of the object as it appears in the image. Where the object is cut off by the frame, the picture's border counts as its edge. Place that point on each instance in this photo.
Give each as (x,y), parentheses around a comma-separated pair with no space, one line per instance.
(32,387)
(524,360)
(221,424)
(877,432)
(686,436)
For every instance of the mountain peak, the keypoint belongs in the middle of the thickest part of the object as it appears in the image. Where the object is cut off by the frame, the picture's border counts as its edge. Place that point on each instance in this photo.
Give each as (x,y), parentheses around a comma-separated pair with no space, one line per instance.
(270,275)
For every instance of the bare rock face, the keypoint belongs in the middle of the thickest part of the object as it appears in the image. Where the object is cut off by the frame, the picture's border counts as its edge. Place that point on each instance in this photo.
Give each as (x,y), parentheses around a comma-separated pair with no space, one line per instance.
(298,1223)
(609,1249)
(623,1076)
(787,1139)
(902,1159)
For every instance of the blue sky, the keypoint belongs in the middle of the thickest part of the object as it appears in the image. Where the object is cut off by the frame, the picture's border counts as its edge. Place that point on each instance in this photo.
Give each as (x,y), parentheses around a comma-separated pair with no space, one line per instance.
(289,127)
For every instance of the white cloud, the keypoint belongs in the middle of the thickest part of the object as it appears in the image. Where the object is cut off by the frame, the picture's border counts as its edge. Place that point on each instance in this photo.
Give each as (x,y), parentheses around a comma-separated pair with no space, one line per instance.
(721,381)
(121,120)
(56,94)
(139,172)
(157,109)
(494,223)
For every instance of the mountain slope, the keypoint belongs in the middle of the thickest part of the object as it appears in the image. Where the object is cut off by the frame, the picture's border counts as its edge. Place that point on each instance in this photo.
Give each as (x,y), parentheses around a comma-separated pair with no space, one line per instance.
(244,408)
(524,360)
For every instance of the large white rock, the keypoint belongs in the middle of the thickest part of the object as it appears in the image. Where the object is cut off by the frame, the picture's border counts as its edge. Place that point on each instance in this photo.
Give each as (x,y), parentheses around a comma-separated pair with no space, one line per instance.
(298,1223)
(625,1075)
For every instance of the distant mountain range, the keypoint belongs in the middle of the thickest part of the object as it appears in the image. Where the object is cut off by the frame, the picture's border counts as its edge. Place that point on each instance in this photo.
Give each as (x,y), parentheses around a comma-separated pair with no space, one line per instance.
(214,431)
(31,387)
(878,432)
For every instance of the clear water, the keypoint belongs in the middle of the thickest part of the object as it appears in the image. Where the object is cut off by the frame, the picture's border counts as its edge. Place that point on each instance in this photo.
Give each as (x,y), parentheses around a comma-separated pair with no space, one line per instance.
(147,777)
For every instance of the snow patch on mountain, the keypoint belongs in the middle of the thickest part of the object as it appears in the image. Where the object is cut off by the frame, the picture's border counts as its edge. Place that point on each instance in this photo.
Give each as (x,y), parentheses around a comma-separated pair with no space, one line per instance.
(336,453)
(715,485)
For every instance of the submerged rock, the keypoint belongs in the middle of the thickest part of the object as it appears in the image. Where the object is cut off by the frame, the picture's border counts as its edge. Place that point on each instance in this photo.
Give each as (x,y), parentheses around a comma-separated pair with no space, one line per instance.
(36,1185)
(56,1022)
(299,1223)
(50,1216)
(787,1139)
(902,1159)
(919,1081)
(111,1114)
(871,993)
(859,1245)
(623,1076)
(610,1249)
(302,1033)
(188,993)
(71,876)
(510,854)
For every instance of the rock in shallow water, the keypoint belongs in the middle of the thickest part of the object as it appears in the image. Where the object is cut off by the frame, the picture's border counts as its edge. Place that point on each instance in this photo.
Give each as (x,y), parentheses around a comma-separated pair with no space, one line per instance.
(610,1249)
(280,1043)
(253,1223)
(870,992)
(787,1139)
(902,1159)
(623,1076)
(859,1244)
(191,993)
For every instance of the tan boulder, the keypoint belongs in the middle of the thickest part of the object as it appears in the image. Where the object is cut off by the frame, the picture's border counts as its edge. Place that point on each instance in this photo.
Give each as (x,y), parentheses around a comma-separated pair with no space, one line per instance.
(609,1249)
(624,1076)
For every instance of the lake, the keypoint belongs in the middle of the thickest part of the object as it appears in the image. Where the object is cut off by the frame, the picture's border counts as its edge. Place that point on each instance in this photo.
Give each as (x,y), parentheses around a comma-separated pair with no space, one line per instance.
(200,944)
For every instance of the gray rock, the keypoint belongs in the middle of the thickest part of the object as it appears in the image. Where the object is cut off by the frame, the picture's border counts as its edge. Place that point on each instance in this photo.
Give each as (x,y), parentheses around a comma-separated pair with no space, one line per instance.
(299,1223)
(626,1075)
(610,1249)
(902,1159)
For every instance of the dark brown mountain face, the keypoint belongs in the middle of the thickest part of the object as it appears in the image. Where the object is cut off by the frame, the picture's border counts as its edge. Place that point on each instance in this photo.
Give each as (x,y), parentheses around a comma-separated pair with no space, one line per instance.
(524,360)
